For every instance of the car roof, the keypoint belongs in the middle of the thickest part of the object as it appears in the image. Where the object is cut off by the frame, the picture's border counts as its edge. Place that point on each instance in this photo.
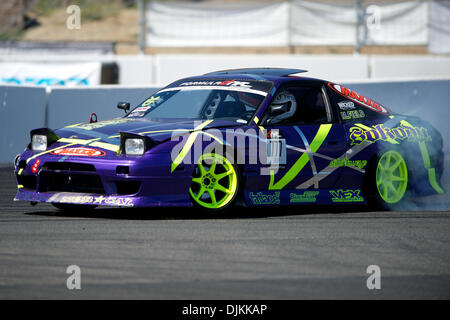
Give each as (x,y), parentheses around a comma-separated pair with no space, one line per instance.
(277,72)
(275,75)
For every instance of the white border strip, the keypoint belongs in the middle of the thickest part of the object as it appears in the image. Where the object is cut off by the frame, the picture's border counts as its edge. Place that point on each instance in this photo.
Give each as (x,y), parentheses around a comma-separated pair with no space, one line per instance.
(240,89)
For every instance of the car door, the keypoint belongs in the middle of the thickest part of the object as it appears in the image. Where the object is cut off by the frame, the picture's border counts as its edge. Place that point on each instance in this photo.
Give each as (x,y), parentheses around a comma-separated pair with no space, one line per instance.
(312,141)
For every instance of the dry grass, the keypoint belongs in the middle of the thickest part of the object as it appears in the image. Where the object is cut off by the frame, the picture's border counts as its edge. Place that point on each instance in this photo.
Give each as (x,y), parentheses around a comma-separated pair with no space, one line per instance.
(122,27)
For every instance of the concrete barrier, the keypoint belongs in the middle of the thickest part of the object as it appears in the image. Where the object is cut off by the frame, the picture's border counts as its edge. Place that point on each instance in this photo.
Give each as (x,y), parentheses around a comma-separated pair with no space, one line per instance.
(429,100)
(73,105)
(24,108)
(21,110)
(160,69)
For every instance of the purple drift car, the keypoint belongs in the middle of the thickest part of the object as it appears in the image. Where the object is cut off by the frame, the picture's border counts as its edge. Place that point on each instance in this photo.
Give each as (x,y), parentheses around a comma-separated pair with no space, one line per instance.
(251,137)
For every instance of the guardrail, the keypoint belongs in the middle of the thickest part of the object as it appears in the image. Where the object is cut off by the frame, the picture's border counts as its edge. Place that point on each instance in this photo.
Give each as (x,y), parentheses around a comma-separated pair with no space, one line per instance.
(73,105)
(427,99)
(22,109)
(28,107)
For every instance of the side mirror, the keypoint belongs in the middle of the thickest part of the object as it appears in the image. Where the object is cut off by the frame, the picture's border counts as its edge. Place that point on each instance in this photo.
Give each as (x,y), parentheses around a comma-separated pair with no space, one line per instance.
(277,109)
(124,106)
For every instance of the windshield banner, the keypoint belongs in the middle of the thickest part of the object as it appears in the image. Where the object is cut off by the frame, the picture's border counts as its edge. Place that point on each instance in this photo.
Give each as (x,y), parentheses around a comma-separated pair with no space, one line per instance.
(257,87)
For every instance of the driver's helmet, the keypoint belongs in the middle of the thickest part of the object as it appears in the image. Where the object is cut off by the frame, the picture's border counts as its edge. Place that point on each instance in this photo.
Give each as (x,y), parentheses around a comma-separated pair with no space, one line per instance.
(287,98)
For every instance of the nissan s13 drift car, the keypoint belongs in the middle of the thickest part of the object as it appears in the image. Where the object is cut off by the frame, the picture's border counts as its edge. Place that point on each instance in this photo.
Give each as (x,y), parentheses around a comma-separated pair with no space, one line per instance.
(251,137)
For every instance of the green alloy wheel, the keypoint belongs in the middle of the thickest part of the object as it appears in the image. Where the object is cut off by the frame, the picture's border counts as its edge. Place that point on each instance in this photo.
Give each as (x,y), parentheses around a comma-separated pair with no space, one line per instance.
(214,183)
(391,177)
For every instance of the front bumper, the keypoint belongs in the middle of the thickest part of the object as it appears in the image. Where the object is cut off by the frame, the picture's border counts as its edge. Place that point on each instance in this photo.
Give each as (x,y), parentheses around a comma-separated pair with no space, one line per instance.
(99,199)
(117,181)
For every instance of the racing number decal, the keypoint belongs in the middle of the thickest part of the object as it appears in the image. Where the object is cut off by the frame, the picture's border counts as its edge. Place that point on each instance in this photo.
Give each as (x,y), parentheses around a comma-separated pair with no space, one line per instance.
(276,148)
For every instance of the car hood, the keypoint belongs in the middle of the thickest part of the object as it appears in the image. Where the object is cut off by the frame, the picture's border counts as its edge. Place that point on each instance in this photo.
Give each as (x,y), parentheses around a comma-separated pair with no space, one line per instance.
(157,129)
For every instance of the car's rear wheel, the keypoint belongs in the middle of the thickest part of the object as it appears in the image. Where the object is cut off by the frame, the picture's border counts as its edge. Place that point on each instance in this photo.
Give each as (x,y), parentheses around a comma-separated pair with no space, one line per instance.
(388,180)
(215,183)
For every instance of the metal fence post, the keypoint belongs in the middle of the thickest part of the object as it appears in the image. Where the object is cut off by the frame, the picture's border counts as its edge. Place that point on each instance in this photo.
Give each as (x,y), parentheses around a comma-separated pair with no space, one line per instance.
(142,25)
(289,27)
(357,26)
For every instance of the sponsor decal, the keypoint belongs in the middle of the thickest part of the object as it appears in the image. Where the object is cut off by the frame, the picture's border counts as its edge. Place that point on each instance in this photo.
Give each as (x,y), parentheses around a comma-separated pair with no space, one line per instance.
(348,163)
(346,196)
(235,88)
(265,198)
(141,109)
(307,196)
(379,132)
(358,98)
(139,112)
(47,81)
(274,134)
(35,166)
(97,200)
(352,114)
(79,151)
(346,105)
(149,101)
(229,83)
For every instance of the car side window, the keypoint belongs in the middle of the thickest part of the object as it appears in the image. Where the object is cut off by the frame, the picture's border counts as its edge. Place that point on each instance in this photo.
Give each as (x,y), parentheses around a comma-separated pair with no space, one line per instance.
(311,106)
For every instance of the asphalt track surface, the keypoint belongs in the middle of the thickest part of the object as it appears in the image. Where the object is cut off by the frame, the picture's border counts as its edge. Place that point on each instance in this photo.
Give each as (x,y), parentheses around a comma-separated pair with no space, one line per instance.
(282,253)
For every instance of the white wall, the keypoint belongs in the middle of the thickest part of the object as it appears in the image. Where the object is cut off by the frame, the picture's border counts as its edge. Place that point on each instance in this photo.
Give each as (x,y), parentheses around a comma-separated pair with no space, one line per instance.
(133,69)
(165,68)
(412,67)
(331,67)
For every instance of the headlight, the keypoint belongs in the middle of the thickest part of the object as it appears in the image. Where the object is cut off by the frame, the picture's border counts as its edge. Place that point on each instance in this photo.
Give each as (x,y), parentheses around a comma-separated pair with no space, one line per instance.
(134,146)
(16,161)
(39,142)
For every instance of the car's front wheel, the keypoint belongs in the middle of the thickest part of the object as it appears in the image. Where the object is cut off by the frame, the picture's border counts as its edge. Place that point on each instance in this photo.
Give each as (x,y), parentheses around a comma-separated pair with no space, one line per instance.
(215,183)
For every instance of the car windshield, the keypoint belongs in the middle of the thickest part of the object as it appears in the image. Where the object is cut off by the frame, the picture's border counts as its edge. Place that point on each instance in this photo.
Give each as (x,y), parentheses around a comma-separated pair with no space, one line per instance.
(211,99)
